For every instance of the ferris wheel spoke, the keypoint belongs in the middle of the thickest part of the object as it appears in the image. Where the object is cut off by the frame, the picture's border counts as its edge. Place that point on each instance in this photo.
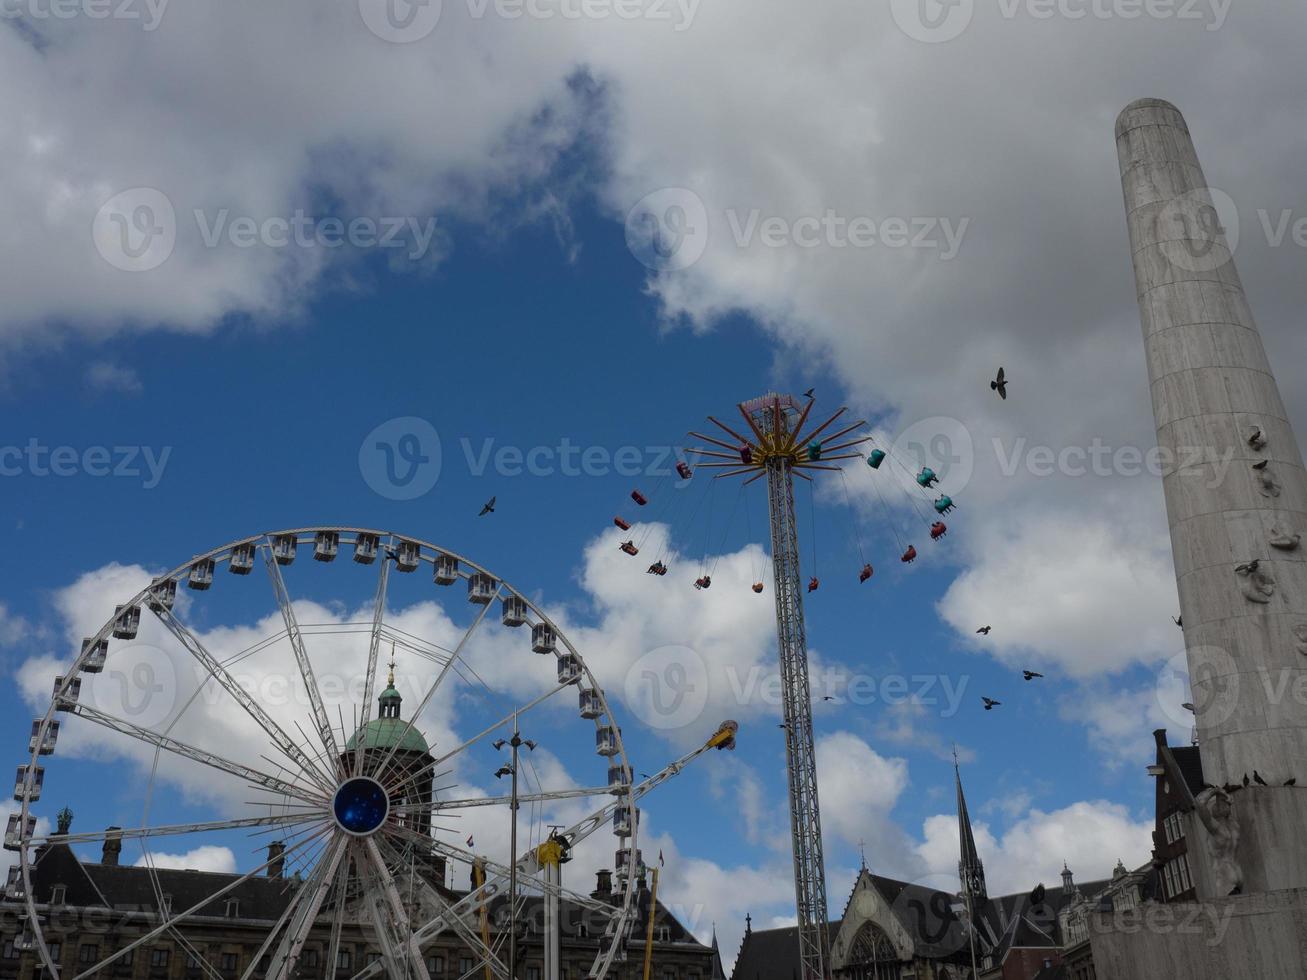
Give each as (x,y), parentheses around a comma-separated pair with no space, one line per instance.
(374,646)
(325,731)
(170,830)
(395,906)
(300,915)
(172,922)
(219,673)
(440,677)
(434,764)
(308,794)
(465,932)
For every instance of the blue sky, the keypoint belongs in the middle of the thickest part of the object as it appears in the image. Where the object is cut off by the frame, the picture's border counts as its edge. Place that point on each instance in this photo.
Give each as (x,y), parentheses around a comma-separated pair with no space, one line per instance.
(979,155)
(263,427)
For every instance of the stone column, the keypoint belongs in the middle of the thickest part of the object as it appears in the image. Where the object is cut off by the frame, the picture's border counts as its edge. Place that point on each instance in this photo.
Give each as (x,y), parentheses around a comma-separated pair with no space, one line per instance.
(1236,491)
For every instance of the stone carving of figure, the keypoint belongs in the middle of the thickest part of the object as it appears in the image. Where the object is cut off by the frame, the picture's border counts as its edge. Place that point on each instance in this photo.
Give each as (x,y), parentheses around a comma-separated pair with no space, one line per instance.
(1300,635)
(1266,484)
(1255,582)
(1216,810)
(1285,540)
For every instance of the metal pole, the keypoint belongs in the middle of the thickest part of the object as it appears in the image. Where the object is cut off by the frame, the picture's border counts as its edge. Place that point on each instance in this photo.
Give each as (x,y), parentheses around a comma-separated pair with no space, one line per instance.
(649,933)
(971,933)
(512,853)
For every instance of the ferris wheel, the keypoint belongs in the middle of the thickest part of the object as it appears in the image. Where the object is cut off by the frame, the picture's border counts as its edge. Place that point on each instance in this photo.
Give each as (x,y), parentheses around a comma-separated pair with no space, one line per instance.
(343,812)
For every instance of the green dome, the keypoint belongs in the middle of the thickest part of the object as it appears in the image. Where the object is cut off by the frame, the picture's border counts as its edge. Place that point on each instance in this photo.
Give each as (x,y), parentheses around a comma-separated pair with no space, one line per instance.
(386,733)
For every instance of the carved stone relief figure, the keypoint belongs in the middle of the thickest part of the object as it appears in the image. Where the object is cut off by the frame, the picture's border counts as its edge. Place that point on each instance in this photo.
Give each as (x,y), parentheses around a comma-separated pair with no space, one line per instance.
(1285,540)
(1216,810)
(1255,582)
(1266,483)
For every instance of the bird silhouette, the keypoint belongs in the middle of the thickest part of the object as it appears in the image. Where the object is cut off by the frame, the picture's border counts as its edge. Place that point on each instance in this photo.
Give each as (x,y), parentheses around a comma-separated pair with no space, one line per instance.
(1188,706)
(828,697)
(488,507)
(990,703)
(1245,780)
(999,384)
(1291,782)
(1030,675)
(1178,620)
(1231,788)
(985,630)
(1257,778)
(809,393)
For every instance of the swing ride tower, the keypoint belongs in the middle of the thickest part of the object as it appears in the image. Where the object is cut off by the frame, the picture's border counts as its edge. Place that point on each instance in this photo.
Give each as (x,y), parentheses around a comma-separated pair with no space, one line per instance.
(779,449)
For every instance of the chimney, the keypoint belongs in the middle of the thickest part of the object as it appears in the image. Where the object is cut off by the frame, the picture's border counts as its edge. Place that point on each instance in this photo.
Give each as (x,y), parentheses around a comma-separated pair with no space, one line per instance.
(603,886)
(276,859)
(113,846)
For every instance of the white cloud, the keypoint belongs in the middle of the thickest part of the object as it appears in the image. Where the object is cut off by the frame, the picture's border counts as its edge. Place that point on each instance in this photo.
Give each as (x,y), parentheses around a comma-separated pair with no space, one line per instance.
(1090,836)
(206,858)
(106,376)
(1068,593)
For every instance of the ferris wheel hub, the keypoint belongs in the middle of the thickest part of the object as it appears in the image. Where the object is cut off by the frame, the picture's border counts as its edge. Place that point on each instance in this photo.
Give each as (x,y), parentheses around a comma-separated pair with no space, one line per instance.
(360,806)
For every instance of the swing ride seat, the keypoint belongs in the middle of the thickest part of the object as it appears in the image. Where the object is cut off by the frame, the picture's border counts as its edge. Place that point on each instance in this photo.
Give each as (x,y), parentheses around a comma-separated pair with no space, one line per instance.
(746,455)
(639,498)
(683,470)
(909,556)
(866,573)
(876,458)
(927,477)
(623,524)
(944,504)
(814,451)
(703,582)
(814,584)
(630,548)
(938,530)
(757,587)
(657,568)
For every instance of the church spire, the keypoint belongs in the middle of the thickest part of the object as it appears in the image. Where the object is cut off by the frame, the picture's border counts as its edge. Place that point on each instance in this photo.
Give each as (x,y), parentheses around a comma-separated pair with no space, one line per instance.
(970,869)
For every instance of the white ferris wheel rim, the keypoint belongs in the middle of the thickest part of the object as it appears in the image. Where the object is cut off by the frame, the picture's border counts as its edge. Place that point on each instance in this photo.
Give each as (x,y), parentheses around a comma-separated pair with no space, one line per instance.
(427,552)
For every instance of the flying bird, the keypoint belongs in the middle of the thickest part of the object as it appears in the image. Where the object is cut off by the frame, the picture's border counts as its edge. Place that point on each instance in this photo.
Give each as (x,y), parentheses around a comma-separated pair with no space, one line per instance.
(488,507)
(809,393)
(828,697)
(1257,778)
(999,384)
(1030,675)
(985,630)
(990,703)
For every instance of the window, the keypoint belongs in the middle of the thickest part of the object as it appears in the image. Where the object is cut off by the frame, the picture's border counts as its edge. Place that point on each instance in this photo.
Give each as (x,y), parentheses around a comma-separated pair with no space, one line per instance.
(873,956)
(344,960)
(227,961)
(663,934)
(435,964)
(88,953)
(10,953)
(159,957)
(309,957)
(582,930)
(533,973)
(372,957)
(55,950)
(464,965)
(1173,827)
(57,894)
(233,908)
(127,958)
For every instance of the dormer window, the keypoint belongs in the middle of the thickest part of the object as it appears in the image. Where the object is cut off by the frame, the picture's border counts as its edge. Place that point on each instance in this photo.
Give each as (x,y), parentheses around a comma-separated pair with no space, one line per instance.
(58,894)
